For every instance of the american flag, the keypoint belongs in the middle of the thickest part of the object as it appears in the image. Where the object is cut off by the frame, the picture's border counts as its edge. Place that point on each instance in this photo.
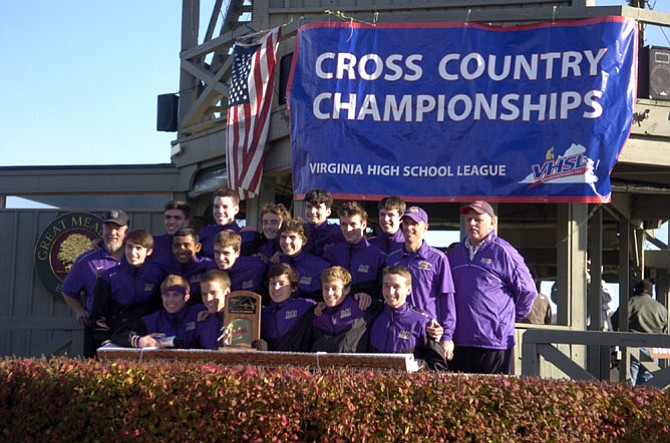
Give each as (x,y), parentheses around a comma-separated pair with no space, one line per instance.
(250,100)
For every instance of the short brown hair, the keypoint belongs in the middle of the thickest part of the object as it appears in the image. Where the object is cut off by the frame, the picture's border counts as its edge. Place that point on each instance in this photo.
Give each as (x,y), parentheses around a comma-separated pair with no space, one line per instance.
(294,225)
(317,196)
(180,205)
(216,276)
(140,237)
(175,280)
(275,208)
(398,270)
(351,208)
(227,192)
(287,270)
(391,203)
(227,238)
(336,273)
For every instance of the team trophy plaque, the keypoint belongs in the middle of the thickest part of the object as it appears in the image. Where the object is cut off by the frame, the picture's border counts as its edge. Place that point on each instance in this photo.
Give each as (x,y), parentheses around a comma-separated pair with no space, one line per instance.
(241,320)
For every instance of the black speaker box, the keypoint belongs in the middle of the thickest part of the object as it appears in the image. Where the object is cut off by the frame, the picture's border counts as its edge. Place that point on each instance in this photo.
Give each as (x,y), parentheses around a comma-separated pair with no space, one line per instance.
(284,72)
(654,73)
(168,109)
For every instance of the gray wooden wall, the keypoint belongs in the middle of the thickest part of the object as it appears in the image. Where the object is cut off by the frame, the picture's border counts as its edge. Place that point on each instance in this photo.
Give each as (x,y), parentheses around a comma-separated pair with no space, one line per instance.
(33,322)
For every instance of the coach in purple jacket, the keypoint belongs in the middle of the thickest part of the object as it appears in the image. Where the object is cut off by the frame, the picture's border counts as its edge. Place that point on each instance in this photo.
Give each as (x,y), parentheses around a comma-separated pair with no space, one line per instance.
(494,289)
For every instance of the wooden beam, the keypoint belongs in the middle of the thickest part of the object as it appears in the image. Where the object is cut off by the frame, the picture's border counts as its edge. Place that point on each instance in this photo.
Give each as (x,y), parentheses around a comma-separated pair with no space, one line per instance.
(48,180)
(449,11)
(645,151)
(203,74)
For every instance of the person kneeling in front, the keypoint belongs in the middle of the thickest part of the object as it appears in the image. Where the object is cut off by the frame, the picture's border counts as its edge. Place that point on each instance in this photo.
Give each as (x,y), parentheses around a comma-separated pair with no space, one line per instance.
(175,326)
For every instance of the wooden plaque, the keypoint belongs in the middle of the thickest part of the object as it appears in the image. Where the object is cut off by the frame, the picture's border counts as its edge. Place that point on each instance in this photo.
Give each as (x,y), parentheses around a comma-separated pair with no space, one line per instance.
(241,319)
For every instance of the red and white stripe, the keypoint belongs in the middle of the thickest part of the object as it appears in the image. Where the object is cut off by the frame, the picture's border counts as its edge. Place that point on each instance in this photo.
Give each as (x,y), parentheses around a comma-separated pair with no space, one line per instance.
(248,123)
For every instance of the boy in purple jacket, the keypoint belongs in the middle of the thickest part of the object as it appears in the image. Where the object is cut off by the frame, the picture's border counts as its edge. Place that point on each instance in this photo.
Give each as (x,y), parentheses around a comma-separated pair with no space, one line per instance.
(402,328)
(246,273)
(363,261)
(175,217)
(292,239)
(186,261)
(286,324)
(225,206)
(273,216)
(390,238)
(129,290)
(343,326)
(175,326)
(321,234)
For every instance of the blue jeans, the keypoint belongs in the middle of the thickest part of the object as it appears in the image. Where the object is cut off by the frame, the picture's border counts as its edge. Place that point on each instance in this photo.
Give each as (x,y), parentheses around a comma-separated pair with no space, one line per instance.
(639,375)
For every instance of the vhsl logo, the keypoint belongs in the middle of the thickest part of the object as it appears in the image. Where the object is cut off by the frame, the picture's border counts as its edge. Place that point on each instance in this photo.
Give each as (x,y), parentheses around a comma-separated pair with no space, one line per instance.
(559,167)
(574,166)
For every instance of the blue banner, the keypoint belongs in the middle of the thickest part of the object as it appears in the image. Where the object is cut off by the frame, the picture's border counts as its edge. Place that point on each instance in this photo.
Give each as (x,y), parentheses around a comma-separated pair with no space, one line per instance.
(457,111)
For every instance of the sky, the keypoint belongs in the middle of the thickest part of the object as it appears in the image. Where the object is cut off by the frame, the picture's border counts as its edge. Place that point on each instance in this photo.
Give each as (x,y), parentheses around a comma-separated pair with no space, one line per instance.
(80,79)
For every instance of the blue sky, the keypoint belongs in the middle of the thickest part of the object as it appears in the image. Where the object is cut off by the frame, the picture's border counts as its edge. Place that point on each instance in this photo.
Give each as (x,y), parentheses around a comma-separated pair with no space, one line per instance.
(79,79)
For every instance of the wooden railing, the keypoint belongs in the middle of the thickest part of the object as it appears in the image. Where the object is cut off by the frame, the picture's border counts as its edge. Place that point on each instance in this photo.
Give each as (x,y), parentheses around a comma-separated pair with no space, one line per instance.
(541,343)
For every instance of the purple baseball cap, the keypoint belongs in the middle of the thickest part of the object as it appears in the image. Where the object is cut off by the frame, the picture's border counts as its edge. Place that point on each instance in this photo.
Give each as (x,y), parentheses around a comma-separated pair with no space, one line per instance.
(416,213)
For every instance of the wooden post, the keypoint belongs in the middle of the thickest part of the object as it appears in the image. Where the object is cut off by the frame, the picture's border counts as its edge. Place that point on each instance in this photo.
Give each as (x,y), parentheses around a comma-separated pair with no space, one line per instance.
(624,286)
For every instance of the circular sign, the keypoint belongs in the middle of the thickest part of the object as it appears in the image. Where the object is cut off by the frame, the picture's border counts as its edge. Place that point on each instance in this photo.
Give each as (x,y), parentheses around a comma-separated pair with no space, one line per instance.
(60,243)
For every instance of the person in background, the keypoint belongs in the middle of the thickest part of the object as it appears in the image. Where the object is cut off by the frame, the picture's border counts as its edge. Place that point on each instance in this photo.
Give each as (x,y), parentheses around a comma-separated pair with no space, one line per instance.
(225,207)
(390,238)
(78,285)
(645,316)
(540,312)
(494,290)
(320,234)
(273,216)
(605,299)
(175,217)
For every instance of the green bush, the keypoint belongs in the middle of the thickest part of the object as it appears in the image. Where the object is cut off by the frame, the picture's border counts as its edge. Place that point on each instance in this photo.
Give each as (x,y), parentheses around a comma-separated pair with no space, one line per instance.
(65,400)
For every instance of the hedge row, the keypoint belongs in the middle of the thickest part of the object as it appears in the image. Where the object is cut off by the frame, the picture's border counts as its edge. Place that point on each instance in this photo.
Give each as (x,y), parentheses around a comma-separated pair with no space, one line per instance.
(65,400)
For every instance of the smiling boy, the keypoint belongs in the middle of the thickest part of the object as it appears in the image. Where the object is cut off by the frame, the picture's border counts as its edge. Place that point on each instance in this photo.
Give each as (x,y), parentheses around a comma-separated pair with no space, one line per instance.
(363,261)
(343,326)
(129,290)
(225,207)
(400,327)
(215,285)
(175,321)
(175,217)
(186,261)
(273,217)
(286,324)
(246,273)
(292,239)
(320,233)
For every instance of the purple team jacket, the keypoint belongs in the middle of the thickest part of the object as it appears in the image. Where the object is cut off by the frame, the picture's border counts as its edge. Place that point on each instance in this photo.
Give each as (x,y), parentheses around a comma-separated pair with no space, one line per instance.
(493,291)
(398,330)
(432,286)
